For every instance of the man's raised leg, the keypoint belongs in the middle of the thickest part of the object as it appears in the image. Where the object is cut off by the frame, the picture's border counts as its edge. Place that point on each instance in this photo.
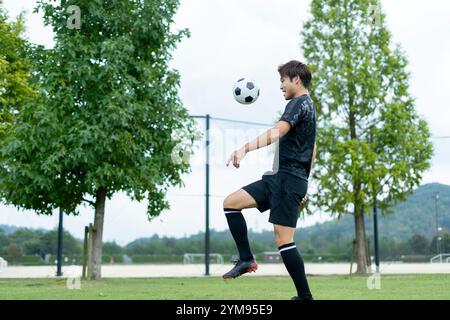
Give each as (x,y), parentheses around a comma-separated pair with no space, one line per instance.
(232,206)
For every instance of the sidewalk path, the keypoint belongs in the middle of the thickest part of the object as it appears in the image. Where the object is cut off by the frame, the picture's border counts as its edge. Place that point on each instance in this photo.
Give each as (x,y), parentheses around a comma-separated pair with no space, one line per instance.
(198,270)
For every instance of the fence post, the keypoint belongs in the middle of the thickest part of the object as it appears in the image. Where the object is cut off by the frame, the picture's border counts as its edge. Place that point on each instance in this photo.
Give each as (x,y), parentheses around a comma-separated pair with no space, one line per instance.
(353,255)
(89,249)
(85,251)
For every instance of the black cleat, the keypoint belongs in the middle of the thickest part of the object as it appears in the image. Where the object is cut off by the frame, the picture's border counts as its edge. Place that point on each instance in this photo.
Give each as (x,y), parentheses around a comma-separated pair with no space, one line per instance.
(240,268)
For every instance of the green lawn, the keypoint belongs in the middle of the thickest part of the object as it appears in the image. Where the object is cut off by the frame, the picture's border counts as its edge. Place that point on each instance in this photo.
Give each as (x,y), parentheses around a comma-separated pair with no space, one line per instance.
(436,286)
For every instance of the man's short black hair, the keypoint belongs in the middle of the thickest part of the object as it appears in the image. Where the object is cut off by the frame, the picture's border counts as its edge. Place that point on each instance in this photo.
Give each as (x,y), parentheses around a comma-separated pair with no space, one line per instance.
(296,68)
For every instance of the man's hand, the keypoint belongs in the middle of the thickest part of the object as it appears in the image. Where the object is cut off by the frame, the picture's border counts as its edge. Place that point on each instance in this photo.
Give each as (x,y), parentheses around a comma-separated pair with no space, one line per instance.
(236,157)
(304,200)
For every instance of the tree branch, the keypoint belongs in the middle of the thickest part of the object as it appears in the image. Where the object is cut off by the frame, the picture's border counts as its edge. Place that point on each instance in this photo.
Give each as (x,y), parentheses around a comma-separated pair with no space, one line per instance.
(92,203)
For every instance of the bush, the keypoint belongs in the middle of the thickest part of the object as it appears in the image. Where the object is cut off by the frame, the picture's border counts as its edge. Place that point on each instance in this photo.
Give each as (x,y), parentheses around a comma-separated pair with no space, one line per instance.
(106,258)
(416,258)
(116,258)
(156,258)
(26,260)
(70,260)
(325,258)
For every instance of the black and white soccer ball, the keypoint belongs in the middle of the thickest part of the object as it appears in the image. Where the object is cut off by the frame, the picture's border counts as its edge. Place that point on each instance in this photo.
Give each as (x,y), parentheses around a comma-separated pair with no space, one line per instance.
(245,91)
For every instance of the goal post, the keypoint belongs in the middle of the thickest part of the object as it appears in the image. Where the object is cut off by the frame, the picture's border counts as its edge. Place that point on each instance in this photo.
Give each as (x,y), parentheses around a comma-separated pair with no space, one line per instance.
(196,258)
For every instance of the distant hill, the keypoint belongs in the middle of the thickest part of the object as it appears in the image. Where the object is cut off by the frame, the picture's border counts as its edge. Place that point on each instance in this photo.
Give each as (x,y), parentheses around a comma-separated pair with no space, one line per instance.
(416,215)
(140,241)
(8,229)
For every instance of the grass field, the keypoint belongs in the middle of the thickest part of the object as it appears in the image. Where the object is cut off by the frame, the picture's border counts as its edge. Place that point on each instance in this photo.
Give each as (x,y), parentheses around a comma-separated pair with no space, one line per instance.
(436,286)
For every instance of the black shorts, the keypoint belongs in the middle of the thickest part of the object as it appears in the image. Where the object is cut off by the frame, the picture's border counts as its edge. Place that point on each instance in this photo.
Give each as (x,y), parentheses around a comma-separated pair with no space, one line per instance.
(281,193)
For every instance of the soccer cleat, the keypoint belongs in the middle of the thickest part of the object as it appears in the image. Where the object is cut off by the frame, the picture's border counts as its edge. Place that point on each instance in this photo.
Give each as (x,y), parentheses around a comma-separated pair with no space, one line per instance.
(240,268)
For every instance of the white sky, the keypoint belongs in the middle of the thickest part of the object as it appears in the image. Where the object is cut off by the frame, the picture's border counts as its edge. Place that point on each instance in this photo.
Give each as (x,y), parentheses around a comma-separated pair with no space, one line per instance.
(231,39)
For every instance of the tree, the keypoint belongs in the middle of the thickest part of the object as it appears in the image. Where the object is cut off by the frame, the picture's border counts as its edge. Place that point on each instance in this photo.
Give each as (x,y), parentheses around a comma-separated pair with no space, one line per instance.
(443,245)
(14,251)
(112,248)
(15,87)
(418,244)
(108,117)
(48,243)
(4,241)
(21,235)
(372,146)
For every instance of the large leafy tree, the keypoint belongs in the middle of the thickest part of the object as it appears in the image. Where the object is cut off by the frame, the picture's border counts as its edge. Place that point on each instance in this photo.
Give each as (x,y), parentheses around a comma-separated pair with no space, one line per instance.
(15,86)
(372,145)
(108,117)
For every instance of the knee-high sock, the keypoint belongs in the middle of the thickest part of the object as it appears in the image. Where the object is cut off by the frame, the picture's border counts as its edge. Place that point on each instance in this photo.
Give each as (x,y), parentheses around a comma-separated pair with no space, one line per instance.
(296,268)
(238,229)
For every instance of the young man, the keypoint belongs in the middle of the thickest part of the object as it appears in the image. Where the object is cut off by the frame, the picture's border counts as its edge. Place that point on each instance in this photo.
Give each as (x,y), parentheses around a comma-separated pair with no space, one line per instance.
(284,189)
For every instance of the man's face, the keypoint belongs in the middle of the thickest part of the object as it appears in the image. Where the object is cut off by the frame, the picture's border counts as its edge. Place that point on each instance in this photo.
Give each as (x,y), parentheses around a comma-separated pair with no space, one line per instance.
(289,87)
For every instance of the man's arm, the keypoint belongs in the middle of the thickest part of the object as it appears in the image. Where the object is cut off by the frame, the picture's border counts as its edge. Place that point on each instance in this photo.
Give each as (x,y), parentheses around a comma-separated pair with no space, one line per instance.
(270,136)
(313,157)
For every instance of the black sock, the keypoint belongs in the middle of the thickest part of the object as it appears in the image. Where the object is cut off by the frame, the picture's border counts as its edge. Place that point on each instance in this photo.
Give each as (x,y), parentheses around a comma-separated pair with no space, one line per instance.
(238,229)
(294,265)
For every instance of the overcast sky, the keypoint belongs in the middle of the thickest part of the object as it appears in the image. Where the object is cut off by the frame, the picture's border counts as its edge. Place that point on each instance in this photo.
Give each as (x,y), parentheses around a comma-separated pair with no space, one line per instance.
(231,39)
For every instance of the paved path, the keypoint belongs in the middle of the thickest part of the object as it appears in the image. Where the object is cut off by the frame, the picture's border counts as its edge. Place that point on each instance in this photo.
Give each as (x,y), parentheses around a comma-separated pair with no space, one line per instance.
(198,270)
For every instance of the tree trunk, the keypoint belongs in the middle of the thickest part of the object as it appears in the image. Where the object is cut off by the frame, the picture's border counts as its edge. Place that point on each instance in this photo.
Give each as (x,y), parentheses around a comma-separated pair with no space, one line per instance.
(96,272)
(360,233)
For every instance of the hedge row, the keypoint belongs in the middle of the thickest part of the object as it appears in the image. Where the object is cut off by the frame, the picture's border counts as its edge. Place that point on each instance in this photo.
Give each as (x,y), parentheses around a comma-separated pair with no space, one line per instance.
(27,260)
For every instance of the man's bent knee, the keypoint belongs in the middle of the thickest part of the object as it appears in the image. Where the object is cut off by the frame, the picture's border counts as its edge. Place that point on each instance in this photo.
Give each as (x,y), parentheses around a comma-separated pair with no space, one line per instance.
(239,199)
(229,202)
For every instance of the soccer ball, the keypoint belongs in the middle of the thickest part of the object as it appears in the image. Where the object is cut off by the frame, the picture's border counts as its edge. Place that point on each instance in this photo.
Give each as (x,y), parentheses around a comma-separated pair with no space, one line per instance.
(245,91)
